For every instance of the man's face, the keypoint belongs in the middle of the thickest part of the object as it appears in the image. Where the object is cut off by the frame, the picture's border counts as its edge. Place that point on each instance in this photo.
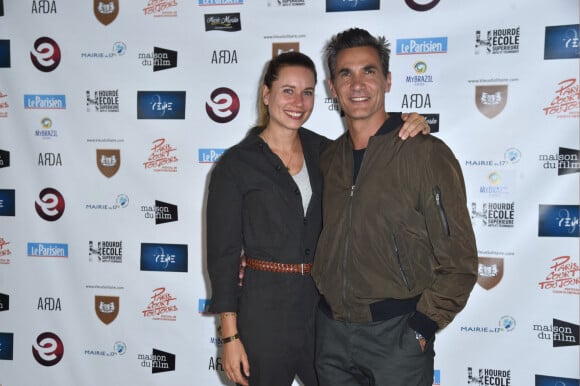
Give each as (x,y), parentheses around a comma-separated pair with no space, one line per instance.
(359,83)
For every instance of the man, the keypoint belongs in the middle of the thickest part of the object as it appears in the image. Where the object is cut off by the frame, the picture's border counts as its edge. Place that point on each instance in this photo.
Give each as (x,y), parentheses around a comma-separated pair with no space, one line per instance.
(396,259)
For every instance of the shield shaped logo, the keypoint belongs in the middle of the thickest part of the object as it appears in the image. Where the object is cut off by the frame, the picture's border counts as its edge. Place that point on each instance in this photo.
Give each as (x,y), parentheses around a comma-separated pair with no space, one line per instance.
(107,308)
(490,272)
(491,100)
(106,10)
(108,161)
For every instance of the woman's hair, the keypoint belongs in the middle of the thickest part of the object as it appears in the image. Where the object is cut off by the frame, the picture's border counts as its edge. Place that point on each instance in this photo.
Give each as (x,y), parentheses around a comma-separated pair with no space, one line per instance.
(271,73)
(356,37)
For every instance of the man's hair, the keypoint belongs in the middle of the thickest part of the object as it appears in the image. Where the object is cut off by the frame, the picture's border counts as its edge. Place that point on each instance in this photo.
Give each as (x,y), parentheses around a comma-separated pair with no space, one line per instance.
(271,73)
(356,37)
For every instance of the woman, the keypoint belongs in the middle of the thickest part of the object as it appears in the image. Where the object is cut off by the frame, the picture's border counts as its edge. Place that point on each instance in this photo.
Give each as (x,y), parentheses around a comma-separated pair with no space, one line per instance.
(265,200)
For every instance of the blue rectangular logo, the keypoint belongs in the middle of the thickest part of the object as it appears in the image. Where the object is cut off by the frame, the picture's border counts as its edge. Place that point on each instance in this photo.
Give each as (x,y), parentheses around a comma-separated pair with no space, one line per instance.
(7,202)
(558,221)
(4,53)
(436,377)
(203,306)
(6,345)
(422,46)
(209,155)
(47,250)
(160,104)
(546,380)
(352,5)
(219,2)
(44,101)
(561,42)
(164,257)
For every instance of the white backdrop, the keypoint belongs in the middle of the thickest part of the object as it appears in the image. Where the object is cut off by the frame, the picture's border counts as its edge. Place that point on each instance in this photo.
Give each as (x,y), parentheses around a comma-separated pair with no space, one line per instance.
(94,291)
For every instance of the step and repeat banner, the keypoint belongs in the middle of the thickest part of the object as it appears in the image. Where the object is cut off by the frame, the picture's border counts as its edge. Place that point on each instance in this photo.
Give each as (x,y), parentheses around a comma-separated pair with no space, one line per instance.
(112,113)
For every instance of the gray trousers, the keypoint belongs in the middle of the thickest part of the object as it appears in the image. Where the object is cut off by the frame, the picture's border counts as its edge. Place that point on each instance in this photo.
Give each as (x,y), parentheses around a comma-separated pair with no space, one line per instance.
(384,353)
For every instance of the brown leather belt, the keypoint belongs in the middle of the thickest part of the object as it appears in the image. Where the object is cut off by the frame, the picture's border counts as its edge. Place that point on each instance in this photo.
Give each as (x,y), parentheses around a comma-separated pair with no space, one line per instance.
(262,265)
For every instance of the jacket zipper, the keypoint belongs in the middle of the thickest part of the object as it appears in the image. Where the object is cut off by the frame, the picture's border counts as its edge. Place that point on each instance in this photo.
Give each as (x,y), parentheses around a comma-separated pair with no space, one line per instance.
(439,204)
(344,259)
(403,275)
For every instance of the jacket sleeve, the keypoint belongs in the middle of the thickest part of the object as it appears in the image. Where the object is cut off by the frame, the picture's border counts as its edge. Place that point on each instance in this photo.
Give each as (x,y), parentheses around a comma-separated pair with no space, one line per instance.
(224,238)
(453,241)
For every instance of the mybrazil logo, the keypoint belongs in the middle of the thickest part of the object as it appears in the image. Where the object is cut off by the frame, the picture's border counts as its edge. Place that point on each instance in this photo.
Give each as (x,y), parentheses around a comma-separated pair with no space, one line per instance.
(160,104)
(164,257)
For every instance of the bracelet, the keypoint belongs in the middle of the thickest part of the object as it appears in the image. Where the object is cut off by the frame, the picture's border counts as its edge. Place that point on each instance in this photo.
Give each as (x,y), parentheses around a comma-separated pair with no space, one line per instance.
(230,338)
(224,315)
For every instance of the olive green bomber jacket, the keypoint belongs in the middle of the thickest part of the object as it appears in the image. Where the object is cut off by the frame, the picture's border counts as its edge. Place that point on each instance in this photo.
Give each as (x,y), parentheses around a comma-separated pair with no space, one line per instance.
(402,231)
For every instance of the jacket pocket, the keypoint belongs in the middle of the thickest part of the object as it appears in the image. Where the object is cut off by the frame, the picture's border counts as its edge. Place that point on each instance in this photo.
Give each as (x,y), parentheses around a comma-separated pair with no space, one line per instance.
(440,208)
(403,268)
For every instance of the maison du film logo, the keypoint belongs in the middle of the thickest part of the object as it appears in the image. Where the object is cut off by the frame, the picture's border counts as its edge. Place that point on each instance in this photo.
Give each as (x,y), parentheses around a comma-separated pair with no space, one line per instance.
(161,306)
(160,59)
(102,101)
(162,157)
(162,212)
(561,333)
(566,161)
(4,158)
(159,361)
(106,251)
(160,8)
(4,304)
(563,276)
(566,102)
(48,349)
(107,308)
(106,11)
(498,41)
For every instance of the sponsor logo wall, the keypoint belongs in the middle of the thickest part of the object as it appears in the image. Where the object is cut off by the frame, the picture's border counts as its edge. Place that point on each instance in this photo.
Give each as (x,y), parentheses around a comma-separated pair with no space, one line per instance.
(108,135)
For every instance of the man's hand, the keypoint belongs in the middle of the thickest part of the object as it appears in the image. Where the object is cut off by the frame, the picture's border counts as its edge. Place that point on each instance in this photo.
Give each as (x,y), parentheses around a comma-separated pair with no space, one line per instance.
(414,124)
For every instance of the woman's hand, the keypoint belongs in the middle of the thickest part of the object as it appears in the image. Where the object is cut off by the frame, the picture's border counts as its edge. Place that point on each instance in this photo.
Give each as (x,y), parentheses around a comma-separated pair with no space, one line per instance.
(413,124)
(235,360)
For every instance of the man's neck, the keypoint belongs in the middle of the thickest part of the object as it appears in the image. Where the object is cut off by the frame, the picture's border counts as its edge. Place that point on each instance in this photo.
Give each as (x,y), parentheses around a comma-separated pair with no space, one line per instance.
(361,130)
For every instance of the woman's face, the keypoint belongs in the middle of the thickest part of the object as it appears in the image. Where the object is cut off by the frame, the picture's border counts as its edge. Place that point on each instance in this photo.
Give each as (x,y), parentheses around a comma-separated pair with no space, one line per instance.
(290,100)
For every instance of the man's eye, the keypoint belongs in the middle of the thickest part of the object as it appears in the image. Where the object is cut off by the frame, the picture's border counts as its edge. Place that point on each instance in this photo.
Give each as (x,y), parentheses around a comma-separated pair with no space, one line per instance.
(308,93)
(288,91)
